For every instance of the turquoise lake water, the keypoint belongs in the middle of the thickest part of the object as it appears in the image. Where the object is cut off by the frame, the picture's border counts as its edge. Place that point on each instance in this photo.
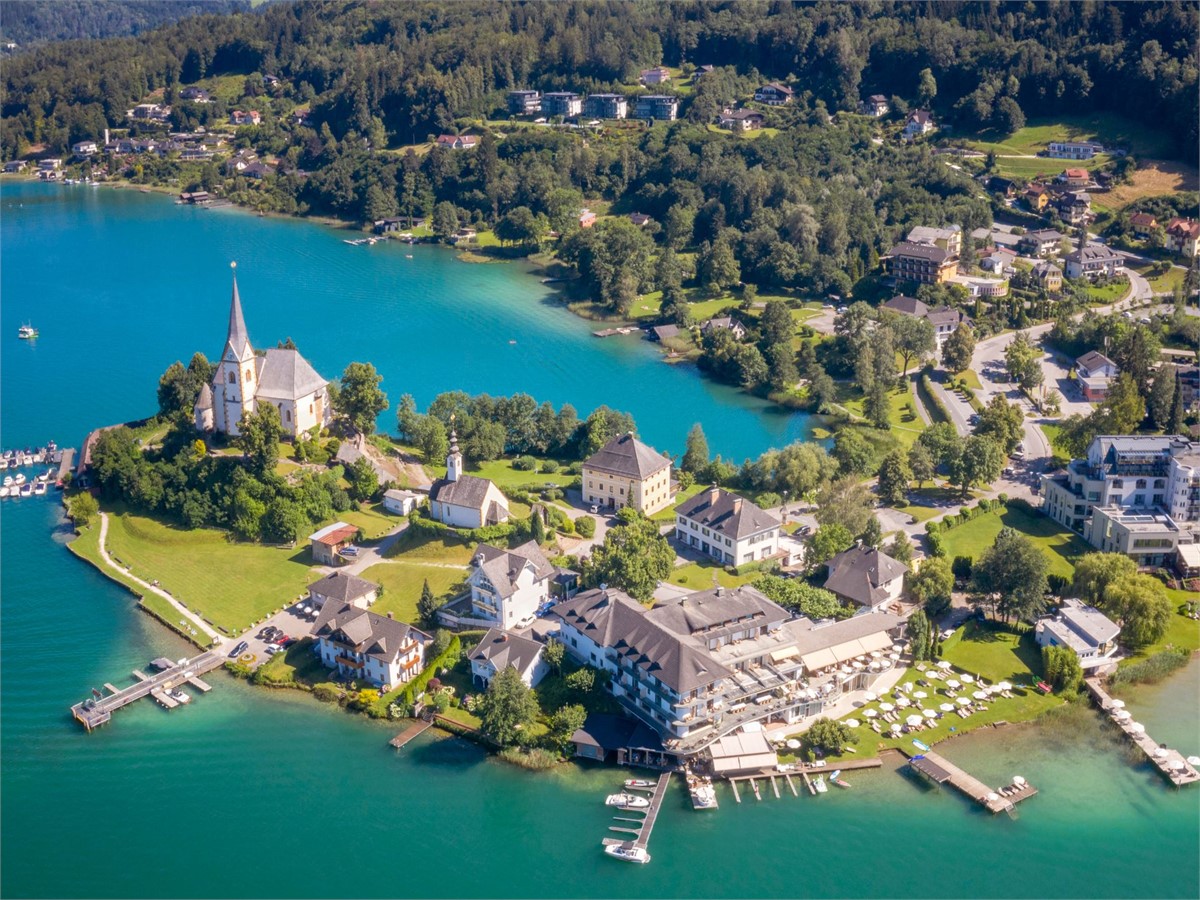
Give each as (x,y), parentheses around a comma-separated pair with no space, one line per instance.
(250,794)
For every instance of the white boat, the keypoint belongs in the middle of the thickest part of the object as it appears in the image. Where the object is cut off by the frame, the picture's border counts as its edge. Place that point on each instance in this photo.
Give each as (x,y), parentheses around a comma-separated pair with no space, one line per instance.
(704,795)
(819,784)
(179,696)
(27,332)
(3,492)
(8,481)
(639,783)
(18,479)
(39,488)
(628,853)
(27,490)
(627,801)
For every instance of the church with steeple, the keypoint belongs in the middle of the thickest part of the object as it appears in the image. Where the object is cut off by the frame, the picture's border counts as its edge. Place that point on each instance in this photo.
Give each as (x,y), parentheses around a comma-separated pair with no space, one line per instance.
(462,500)
(247,378)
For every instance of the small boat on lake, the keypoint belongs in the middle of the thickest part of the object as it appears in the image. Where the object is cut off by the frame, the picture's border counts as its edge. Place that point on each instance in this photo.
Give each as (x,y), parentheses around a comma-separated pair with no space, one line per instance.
(27,490)
(628,852)
(27,332)
(819,784)
(18,479)
(837,779)
(627,801)
(4,491)
(39,488)
(179,696)
(639,783)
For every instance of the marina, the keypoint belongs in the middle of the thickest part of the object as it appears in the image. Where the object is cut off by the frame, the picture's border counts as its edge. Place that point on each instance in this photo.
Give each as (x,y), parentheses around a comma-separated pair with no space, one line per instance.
(635,849)
(1171,763)
(784,775)
(940,770)
(162,687)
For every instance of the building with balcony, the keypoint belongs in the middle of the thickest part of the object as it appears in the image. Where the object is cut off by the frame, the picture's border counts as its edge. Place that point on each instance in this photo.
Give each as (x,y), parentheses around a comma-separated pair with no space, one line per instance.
(524,103)
(944,319)
(1183,236)
(363,646)
(866,576)
(704,665)
(875,106)
(606,106)
(1074,149)
(498,650)
(626,472)
(741,120)
(1092,261)
(656,75)
(1095,372)
(774,94)
(509,587)
(343,588)
(1041,242)
(923,263)
(1090,634)
(948,238)
(658,107)
(729,528)
(920,122)
(562,103)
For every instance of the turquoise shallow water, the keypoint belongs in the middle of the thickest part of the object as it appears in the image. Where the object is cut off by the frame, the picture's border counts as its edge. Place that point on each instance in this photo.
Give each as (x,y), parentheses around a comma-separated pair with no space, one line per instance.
(245,793)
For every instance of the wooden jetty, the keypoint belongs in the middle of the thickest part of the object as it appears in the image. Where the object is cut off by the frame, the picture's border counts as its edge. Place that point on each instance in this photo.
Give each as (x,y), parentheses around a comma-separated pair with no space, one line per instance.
(1171,763)
(846,765)
(938,768)
(95,712)
(808,783)
(66,463)
(646,825)
(409,733)
(610,332)
(198,683)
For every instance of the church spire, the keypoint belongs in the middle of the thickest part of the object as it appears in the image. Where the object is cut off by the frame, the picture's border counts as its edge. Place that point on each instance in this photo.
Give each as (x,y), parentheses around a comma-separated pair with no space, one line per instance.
(238,336)
(454,460)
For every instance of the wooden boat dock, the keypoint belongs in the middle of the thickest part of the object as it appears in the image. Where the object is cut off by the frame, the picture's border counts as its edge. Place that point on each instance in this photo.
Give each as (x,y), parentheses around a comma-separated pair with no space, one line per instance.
(66,464)
(409,733)
(773,777)
(1171,763)
(95,712)
(611,332)
(937,768)
(646,825)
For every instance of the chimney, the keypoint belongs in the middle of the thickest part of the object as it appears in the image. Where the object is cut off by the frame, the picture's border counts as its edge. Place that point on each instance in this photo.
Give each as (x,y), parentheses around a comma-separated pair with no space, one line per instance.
(714,492)
(737,505)
(504,638)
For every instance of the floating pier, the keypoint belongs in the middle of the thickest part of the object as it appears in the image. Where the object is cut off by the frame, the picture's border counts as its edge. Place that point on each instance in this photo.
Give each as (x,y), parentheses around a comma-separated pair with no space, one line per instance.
(939,769)
(646,825)
(611,332)
(409,733)
(95,712)
(1171,763)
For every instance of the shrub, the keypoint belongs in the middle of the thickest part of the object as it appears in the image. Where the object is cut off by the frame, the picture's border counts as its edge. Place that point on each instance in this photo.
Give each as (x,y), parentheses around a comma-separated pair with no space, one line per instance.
(585,526)
(549,467)
(936,546)
(327,693)
(552,494)
(961,567)
(536,758)
(933,527)
(575,468)
(525,464)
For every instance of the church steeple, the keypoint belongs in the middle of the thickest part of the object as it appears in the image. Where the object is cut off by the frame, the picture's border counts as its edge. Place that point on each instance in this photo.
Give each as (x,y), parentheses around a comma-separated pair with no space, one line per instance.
(454,460)
(238,339)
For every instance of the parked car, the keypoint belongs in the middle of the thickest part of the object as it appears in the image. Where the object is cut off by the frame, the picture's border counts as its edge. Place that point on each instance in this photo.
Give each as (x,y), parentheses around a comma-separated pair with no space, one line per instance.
(280,638)
(237,651)
(349,551)
(593,509)
(1008,472)
(974,420)
(286,642)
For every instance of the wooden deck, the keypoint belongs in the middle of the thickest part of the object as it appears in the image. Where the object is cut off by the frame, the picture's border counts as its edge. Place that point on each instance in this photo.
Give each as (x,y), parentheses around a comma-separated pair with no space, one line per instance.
(409,733)
(646,825)
(1171,763)
(938,768)
(93,713)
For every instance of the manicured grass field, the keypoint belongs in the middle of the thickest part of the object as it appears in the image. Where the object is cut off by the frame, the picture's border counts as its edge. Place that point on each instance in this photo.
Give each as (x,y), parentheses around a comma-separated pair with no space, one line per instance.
(927,502)
(1110,129)
(904,425)
(501,472)
(402,583)
(1168,281)
(668,513)
(231,584)
(698,576)
(702,307)
(1061,547)
(373,519)
(1103,295)
(410,549)
(1182,632)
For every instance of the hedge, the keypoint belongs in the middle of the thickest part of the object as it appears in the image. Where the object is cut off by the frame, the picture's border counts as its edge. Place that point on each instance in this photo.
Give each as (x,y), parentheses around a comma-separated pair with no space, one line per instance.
(409,692)
(933,403)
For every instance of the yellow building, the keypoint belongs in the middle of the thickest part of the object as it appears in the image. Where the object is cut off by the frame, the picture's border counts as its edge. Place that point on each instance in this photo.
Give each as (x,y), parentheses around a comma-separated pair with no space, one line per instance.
(625,472)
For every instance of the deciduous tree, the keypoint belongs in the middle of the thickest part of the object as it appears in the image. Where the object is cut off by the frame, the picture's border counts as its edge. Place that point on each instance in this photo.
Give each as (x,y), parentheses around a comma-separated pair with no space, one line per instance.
(1012,572)
(360,399)
(634,557)
(894,477)
(508,709)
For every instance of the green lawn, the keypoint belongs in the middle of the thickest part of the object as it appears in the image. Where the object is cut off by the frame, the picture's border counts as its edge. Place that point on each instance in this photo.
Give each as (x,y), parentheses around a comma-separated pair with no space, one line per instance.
(501,472)
(1060,546)
(297,665)
(698,576)
(667,514)
(411,549)
(1168,281)
(373,519)
(904,425)
(1103,295)
(231,584)
(648,305)
(402,583)
(1107,128)
(925,503)
(996,655)
(1182,632)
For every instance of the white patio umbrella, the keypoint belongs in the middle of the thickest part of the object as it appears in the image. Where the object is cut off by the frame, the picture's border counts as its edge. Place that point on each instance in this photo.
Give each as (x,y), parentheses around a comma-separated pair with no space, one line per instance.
(1004,686)
(908,687)
(870,696)
(894,656)
(920,695)
(875,654)
(887,707)
(897,648)
(962,701)
(1117,704)
(953,684)
(947,707)
(792,744)
(895,729)
(967,678)
(929,713)
(914,720)
(903,702)
(1122,714)
(870,713)
(943,664)
(1159,752)
(1193,760)
(1137,728)
(1176,765)
(979,695)
(992,796)
(852,723)
(1018,780)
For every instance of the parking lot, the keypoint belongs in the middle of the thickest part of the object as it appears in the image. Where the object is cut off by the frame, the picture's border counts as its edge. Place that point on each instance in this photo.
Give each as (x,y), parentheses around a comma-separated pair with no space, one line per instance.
(290,621)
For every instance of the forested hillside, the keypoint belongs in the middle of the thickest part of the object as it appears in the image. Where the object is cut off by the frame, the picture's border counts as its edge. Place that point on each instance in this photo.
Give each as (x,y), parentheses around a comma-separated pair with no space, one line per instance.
(28,22)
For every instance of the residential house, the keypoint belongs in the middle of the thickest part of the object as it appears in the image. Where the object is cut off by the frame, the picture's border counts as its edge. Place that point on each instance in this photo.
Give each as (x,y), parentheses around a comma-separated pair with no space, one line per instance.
(1075,208)
(774,94)
(84,149)
(1000,261)
(1132,494)
(15,165)
(256,170)
(195,95)
(741,120)
(876,105)
(153,111)
(1095,371)
(498,650)
(401,503)
(388,226)
(524,103)
(944,319)
(1074,149)
(606,106)
(587,218)
(1093,261)
(1081,628)
(562,103)
(641,220)
(1006,187)
(981,286)
(656,75)
(658,107)
(1049,276)
(509,587)
(50,165)
(1183,236)
(343,588)
(246,379)
(1143,224)
(300,116)
(664,332)
(866,576)
(701,71)
(195,154)
(1036,197)
(364,646)
(727,527)
(920,122)
(271,81)
(1188,383)
(458,141)
(626,472)
(948,238)
(462,500)
(724,323)
(1041,242)
(1077,178)
(328,543)
(924,263)
(245,117)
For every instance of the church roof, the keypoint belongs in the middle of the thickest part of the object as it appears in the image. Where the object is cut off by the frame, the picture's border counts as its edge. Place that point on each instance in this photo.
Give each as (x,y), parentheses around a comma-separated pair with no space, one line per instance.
(286,375)
(205,400)
(238,336)
(469,491)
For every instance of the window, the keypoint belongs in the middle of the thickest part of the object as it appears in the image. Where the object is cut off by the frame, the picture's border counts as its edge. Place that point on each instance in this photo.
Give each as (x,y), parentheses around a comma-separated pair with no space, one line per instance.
(249,377)
(232,378)
(288,416)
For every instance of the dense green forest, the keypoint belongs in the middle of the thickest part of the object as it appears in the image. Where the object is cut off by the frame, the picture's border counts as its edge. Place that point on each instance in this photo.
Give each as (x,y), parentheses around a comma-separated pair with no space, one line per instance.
(28,22)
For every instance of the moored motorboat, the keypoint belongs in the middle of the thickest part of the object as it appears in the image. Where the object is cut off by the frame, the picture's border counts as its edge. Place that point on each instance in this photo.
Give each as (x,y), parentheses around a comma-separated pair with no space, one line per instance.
(639,783)
(39,488)
(627,801)
(3,492)
(628,852)
(704,795)
(836,778)
(27,332)
(8,481)
(18,479)
(179,696)
(819,784)
(27,490)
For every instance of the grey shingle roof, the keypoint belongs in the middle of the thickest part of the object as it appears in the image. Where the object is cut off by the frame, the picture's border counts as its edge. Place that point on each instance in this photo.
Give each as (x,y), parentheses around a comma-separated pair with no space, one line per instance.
(369,633)
(286,375)
(469,491)
(237,337)
(503,567)
(920,251)
(1093,359)
(205,400)
(343,586)
(860,573)
(809,635)
(626,455)
(502,650)
(726,513)
(908,306)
